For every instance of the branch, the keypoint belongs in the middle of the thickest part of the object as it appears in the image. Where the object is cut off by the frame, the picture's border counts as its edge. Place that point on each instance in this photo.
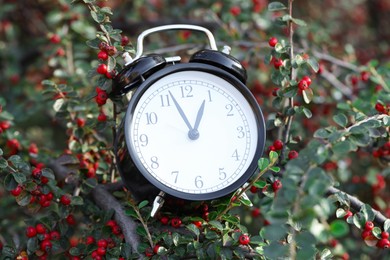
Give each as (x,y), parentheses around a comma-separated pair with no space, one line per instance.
(106,201)
(101,195)
(357,204)
(341,63)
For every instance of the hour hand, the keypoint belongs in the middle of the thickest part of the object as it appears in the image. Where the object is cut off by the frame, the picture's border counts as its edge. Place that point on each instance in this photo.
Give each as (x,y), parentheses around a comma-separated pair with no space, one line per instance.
(181,112)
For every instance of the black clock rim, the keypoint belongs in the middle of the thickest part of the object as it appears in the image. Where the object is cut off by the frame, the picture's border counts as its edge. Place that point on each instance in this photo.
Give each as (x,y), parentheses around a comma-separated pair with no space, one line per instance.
(194,66)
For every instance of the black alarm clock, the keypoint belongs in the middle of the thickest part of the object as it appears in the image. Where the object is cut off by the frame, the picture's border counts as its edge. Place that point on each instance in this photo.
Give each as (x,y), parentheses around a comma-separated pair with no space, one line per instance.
(191,130)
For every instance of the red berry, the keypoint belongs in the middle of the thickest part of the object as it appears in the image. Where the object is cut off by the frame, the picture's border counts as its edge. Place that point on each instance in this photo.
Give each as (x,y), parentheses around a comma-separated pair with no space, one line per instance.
(235,10)
(303,85)
(111,223)
(198,224)
(369,225)
(103,46)
(354,80)
(31,231)
(278,145)
(44,180)
(365,76)
(244,239)
(116,230)
(102,69)
(176,222)
(385,234)
(111,50)
(254,189)
(101,98)
(65,200)
(40,228)
(60,52)
(380,108)
(275,92)
(272,41)
(89,240)
(101,251)
(292,154)
(46,245)
(348,214)
(255,212)
(16,192)
(55,235)
(102,117)
(276,185)
(307,79)
(278,63)
(102,55)
(155,249)
(70,219)
(80,122)
(55,38)
(33,149)
(102,243)
(125,40)
(164,220)
(4,125)
(383,243)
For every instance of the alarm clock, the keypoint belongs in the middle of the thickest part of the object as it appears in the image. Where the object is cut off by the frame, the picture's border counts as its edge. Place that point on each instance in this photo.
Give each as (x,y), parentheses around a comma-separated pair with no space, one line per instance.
(191,130)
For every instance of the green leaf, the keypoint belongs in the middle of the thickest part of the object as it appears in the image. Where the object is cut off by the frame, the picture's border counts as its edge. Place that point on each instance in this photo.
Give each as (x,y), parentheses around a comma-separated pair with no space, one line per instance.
(111,63)
(94,44)
(386,225)
(367,212)
(279,48)
(340,213)
(275,169)
(342,148)
(193,229)
(3,163)
(307,95)
(313,64)
(339,228)
(216,224)
(24,198)
(260,184)
(273,156)
(263,163)
(290,92)
(143,204)
(321,133)
(19,177)
(77,200)
(276,6)
(48,173)
(326,254)
(299,22)
(341,120)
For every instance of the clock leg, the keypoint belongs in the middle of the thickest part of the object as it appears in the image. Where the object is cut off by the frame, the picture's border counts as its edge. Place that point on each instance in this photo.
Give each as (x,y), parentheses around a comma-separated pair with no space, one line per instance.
(157,203)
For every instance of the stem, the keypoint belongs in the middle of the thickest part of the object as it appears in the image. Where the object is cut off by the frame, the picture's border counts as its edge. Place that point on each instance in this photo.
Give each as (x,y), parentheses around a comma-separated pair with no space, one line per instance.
(290,102)
(143,223)
(244,189)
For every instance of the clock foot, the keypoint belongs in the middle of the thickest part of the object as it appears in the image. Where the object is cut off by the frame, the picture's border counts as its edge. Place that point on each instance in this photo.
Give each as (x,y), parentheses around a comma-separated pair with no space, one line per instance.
(157,203)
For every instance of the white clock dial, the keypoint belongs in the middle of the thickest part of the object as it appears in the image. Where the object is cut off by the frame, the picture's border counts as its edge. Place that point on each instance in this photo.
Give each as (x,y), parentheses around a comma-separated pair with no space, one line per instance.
(193,132)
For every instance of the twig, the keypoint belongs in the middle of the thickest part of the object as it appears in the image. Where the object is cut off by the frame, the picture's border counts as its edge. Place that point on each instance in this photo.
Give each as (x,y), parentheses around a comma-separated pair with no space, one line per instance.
(347,92)
(357,204)
(341,63)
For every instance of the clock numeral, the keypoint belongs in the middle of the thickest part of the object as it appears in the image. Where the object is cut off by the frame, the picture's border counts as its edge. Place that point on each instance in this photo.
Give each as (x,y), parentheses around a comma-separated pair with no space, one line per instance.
(151,118)
(235,155)
(198,182)
(210,99)
(222,174)
(154,162)
(241,133)
(175,174)
(165,100)
(186,91)
(144,140)
(229,107)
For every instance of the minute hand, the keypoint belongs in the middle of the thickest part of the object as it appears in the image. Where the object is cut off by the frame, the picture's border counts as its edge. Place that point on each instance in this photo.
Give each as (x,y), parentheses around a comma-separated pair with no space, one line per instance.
(181,112)
(199,116)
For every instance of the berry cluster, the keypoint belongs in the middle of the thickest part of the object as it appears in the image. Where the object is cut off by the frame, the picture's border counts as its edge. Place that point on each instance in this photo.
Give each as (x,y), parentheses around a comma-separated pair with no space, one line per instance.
(278,146)
(101,96)
(45,238)
(383,151)
(304,83)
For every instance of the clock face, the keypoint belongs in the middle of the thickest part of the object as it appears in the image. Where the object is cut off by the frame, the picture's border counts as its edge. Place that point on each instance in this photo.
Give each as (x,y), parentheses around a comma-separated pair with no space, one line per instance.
(194,134)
